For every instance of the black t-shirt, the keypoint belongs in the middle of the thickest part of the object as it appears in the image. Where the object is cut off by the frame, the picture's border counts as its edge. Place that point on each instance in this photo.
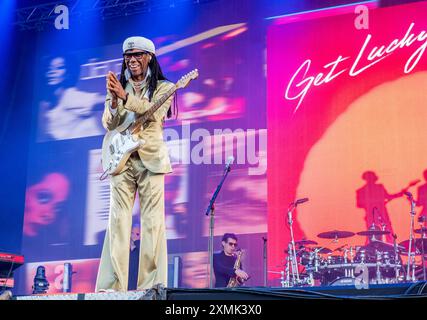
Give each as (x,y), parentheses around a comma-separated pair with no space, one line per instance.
(133,267)
(223,268)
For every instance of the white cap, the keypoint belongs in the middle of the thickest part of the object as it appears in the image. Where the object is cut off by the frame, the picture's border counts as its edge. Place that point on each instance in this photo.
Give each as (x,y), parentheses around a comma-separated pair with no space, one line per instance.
(139,43)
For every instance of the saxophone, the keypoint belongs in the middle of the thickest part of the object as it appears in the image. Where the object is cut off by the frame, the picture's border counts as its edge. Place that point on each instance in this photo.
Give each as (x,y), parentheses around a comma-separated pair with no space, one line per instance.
(236,281)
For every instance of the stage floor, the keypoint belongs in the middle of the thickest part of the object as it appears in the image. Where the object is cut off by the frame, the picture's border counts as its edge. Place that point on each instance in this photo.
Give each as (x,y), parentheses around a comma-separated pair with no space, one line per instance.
(349,292)
(383,291)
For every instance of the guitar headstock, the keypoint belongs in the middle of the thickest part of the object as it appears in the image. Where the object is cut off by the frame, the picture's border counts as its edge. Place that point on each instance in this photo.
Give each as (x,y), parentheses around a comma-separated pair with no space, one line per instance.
(185,80)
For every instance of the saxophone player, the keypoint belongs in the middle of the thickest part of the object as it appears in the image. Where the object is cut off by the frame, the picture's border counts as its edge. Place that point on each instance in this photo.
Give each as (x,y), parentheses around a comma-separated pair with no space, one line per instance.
(224,262)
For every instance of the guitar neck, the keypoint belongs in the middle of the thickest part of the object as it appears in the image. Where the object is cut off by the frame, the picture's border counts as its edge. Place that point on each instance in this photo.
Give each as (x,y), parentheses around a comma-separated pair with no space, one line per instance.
(157,104)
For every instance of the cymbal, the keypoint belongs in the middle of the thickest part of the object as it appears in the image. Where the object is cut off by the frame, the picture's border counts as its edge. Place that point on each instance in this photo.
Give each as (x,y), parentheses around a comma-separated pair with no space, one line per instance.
(421,230)
(335,234)
(298,251)
(305,242)
(372,233)
(405,245)
(417,246)
(322,250)
(382,246)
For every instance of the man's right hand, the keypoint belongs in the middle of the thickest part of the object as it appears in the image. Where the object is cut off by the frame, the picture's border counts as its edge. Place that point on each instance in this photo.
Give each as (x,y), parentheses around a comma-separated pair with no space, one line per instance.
(114,101)
(241,274)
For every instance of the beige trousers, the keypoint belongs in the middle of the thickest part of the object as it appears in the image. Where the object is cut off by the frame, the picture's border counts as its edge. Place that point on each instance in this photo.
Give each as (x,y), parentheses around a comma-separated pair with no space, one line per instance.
(114,265)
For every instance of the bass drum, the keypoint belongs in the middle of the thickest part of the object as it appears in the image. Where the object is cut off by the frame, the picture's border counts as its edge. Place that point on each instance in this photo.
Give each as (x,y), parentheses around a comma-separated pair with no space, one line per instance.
(343,281)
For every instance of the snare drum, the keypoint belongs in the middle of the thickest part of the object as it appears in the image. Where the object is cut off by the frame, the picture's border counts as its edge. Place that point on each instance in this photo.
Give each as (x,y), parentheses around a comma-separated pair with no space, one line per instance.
(389,265)
(332,269)
(365,256)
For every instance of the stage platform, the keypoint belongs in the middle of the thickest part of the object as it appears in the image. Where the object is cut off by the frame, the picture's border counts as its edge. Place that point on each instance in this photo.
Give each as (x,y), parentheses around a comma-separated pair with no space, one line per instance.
(374,292)
(380,292)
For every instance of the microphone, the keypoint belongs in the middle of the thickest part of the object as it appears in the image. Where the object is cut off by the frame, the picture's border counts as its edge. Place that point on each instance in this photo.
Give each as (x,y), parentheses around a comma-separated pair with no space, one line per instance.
(408,194)
(299,201)
(230,161)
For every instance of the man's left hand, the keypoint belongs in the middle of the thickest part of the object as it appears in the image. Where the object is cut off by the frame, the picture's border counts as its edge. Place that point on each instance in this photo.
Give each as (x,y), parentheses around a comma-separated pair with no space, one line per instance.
(115,86)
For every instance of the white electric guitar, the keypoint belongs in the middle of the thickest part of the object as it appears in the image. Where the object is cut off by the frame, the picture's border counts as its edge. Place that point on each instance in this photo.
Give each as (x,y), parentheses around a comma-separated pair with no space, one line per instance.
(120,143)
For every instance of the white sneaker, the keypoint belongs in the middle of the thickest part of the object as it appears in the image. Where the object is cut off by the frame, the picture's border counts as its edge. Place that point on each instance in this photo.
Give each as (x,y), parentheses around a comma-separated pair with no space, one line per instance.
(106,290)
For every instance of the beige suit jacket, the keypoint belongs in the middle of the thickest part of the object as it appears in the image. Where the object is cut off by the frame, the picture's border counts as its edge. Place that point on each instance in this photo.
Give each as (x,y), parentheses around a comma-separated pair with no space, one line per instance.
(154,153)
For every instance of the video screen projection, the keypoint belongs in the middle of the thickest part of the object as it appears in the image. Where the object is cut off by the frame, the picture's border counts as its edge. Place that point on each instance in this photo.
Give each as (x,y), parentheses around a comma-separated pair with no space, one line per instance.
(221,114)
(328,105)
(346,112)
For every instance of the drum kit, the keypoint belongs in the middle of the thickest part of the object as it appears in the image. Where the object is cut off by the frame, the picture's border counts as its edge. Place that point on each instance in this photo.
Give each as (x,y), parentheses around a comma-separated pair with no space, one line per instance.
(311,265)
(375,262)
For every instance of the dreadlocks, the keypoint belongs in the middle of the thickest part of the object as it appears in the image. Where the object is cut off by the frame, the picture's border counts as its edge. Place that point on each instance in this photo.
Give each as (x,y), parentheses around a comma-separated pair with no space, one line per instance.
(156,75)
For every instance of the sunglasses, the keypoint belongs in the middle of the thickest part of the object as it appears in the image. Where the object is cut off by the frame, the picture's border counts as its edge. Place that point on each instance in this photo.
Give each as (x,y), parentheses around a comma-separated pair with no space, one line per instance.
(233,244)
(137,55)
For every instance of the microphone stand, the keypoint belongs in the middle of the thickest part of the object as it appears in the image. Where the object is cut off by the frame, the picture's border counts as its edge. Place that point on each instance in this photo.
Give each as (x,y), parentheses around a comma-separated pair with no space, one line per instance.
(423,258)
(211,212)
(411,236)
(264,249)
(294,263)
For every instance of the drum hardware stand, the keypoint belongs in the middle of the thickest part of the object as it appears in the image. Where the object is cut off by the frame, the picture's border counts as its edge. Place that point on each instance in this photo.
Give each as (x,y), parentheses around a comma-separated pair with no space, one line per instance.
(287,282)
(423,258)
(351,255)
(348,272)
(292,267)
(423,236)
(314,258)
(373,238)
(396,258)
(351,271)
(373,225)
(313,267)
(311,279)
(413,266)
(411,237)
(378,273)
(335,240)
(282,277)
(383,228)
